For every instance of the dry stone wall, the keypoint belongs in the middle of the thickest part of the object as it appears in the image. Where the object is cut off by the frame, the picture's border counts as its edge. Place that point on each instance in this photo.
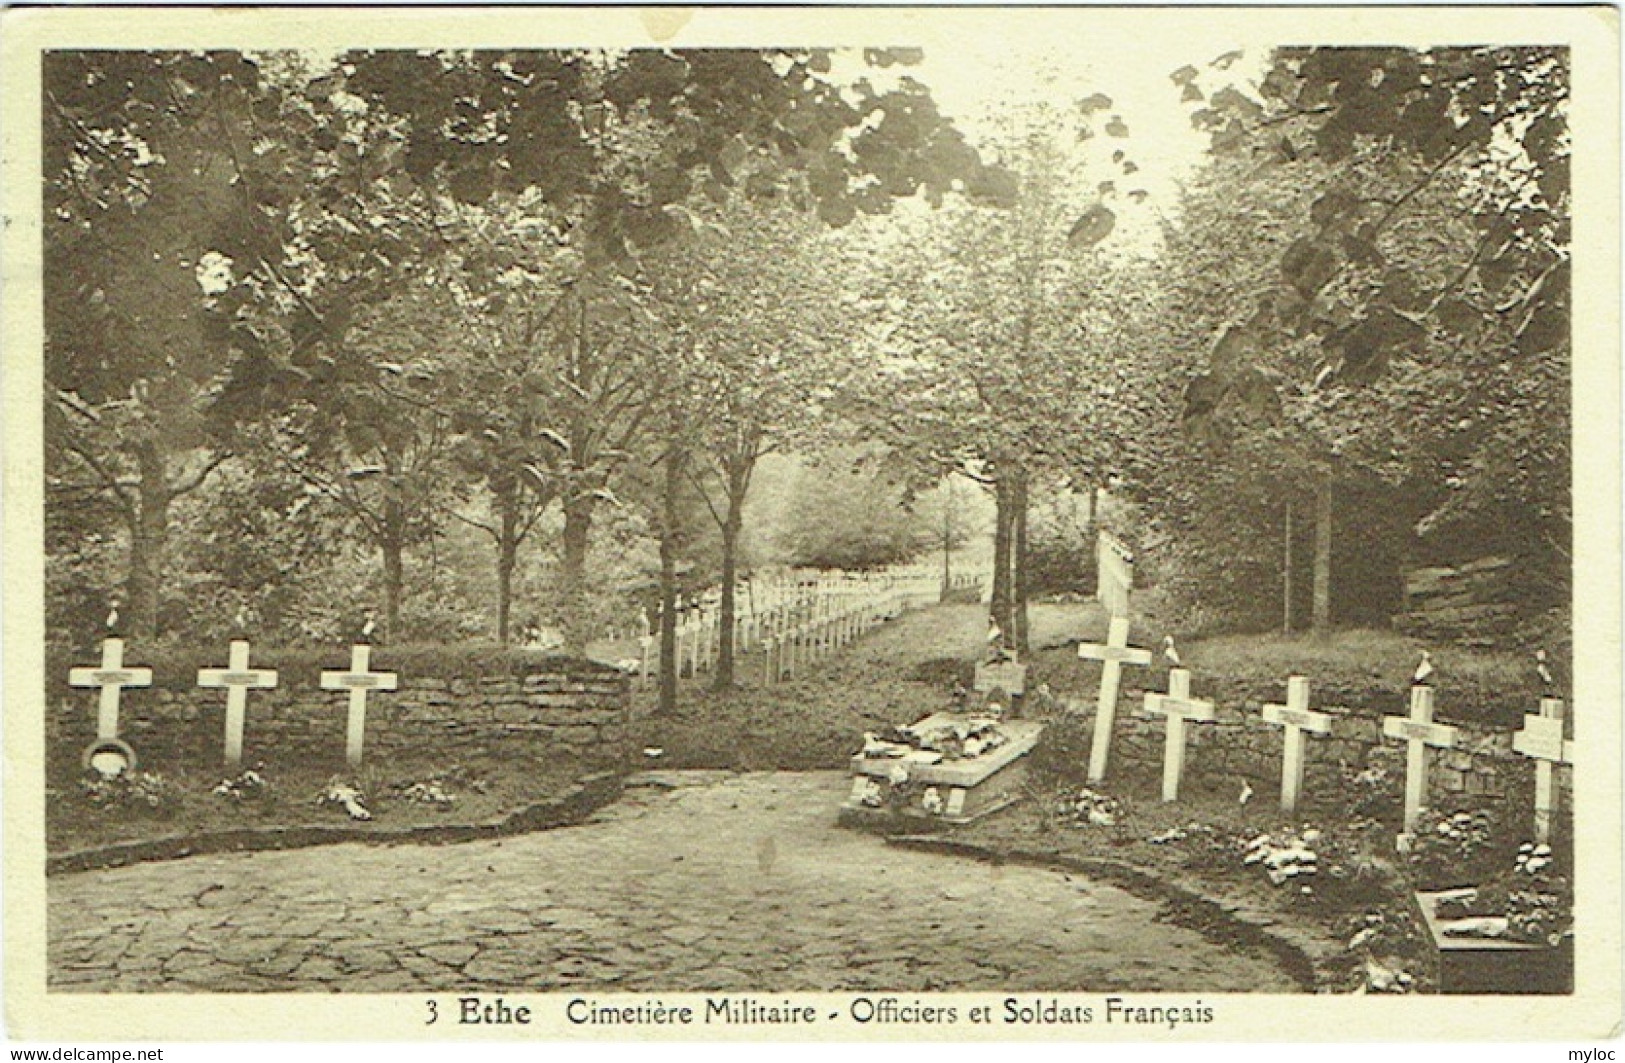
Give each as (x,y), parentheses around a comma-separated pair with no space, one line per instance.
(1239,744)
(577,709)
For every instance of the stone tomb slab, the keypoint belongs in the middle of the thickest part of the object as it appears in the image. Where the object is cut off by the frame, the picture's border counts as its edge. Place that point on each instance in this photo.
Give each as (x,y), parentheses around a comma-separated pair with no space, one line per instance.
(969,788)
(1477,965)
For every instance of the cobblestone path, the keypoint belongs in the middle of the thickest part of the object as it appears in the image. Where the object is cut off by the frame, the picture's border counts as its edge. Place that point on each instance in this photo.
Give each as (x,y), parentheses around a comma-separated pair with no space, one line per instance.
(694,881)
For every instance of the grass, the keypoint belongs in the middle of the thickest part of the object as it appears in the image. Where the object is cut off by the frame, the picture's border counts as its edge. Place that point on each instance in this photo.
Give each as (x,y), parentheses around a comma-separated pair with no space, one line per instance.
(483,789)
(1363,670)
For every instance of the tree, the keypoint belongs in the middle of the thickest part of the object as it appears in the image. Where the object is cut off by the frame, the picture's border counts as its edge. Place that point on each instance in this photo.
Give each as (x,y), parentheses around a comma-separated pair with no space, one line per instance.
(623,148)
(137,186)
(376,437)
(754,288)
(1412,327)
(996,324)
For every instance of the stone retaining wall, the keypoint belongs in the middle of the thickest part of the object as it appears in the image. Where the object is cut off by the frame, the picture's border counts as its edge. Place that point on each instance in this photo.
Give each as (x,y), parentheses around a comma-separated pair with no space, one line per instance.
(576,709)
(1240,744)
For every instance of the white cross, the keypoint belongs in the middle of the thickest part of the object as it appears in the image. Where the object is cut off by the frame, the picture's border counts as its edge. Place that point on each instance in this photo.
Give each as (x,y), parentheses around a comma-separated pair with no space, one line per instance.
(112,677)
(358,680)
(645,643)
(1297,718)
(1115,653)
(1419,732)
(1542,738)
(238,679)
(1178,706)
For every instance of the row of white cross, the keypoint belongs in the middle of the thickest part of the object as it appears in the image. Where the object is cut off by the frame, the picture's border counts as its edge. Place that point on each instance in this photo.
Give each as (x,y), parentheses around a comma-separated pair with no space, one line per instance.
(1541,737)
(795,623)
(237,678)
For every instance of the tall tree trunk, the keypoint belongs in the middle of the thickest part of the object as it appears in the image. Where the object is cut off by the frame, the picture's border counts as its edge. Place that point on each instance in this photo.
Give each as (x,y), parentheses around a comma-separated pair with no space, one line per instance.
(1286,575)
(947,536)
(507,557)
(149,533)
(1322,613)
(1091,535)
(732,523)
(670,515)
(578,513)
(999,600)
(1018,557)
(393,545)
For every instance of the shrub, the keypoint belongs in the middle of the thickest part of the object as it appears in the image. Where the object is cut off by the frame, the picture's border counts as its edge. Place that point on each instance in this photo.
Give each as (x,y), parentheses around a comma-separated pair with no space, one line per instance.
(1061,757)
(1457,848)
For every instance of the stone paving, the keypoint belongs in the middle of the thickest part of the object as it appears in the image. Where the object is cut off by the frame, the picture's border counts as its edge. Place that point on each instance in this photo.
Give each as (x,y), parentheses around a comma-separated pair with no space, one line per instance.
(694,881)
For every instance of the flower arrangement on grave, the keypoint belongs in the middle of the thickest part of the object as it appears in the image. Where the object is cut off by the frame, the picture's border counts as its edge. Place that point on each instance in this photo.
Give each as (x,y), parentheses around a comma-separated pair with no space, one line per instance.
(1379,942)
(432,792)
(246,786)
(440,788)
(1090,808)
(340,793)
(142,792)
(1285,857)
(1533,901)
(945,740)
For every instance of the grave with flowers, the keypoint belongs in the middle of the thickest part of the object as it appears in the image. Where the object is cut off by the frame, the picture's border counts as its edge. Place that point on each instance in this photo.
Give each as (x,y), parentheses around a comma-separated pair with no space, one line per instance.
(1495,895)
(953,766)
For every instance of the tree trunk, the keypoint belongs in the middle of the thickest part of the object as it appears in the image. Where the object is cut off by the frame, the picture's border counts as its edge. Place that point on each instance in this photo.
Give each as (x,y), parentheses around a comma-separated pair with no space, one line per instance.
(1286,576)
(507,557)
(578,513)
(393,545)
(149,533)
(1000,598)
(670,514)
(732,523)
(1018,557)
(393,580)
(1322,614)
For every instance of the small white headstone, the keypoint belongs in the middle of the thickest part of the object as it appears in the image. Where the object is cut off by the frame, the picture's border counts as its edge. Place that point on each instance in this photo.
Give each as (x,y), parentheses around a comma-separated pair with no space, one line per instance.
(112,677)
(1297,718)
(238,679)
(1115,653)
(1542,738)
(1419,731)
(1178,706)
(358,681)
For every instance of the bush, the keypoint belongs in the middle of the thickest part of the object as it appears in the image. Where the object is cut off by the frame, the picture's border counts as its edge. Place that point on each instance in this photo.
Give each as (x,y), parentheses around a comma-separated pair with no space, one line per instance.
(1458,848)
(1061,757)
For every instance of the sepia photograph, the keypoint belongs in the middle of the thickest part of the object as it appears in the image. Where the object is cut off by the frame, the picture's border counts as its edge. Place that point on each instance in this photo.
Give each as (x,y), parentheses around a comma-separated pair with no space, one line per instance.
(812,524)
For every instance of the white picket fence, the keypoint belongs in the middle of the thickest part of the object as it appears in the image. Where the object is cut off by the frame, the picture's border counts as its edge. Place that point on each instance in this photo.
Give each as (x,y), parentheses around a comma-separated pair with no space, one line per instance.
(792,619)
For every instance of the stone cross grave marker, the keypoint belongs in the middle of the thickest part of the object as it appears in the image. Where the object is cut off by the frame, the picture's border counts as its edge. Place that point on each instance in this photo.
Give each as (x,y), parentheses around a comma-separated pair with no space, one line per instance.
(1419,732)
(1178,706)
(1115,653)
(1542,739)
(358,680)
(238,679)
(112,677)
(1297,718)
